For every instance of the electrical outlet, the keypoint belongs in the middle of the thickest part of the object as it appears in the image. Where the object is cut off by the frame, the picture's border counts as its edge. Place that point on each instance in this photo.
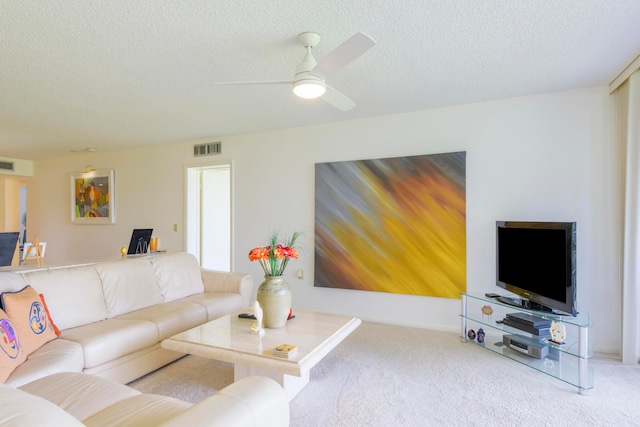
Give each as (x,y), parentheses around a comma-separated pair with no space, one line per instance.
(300,274)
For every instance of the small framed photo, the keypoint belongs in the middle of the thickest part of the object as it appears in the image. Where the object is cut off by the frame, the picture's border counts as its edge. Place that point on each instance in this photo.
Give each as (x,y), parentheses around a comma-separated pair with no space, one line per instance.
(92,197)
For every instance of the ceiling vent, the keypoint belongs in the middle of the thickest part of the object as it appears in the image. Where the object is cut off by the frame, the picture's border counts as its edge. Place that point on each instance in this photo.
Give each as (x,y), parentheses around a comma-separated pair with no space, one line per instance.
(208,149)
(7,166)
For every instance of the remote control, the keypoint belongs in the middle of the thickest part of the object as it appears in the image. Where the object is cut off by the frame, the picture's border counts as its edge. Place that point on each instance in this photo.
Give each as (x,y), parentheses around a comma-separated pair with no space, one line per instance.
(246,316)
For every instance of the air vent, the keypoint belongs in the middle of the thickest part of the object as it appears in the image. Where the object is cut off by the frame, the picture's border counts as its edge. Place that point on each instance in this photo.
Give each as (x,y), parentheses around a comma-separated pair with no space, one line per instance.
(208,149)
(7,166)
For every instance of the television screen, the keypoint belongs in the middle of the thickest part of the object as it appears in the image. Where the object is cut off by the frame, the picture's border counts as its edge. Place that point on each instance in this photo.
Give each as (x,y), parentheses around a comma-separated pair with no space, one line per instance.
(140,241)
(8,245)
(537,261)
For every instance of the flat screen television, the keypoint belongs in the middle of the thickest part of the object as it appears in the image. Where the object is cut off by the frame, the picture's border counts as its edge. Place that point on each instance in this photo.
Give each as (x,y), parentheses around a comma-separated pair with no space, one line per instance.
(140,241)
(537,262)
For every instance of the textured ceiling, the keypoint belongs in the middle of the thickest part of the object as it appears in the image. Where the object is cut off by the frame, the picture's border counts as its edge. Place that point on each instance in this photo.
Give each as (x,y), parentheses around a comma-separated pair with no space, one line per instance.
(111,74)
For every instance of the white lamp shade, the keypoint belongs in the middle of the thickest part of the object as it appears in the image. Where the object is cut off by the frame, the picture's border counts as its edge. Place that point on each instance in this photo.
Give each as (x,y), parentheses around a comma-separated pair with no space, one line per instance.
(309,88)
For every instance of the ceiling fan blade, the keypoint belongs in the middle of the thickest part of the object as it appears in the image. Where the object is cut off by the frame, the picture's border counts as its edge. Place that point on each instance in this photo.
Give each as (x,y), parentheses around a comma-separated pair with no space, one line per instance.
(338,99)
(343,55)
(264,82)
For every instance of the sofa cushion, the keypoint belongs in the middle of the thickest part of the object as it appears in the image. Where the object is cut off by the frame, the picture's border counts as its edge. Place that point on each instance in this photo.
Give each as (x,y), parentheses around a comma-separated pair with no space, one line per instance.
(178,275)
(12,354)
(128,285)
(136,411)
(251,401)
(112,338)
(79,394)
(171,317)
(217,304)
(80,285)
(55,356)
(30,410)
(29,318)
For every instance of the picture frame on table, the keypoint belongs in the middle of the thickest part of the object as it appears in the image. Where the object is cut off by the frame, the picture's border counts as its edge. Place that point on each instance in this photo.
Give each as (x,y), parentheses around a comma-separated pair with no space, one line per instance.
(92,197)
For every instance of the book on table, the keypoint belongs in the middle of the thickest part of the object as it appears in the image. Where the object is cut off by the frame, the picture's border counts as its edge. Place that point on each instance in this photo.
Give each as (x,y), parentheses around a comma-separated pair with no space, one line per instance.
(285,350)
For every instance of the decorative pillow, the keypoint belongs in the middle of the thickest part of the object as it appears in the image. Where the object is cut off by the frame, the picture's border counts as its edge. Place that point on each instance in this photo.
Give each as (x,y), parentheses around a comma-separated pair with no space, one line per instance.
(29,318)
(46,309)
(12,354)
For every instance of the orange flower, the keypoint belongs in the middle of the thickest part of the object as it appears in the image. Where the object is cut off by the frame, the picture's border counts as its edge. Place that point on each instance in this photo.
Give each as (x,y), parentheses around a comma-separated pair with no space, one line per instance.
(288,252)
(258,253)
(278,252)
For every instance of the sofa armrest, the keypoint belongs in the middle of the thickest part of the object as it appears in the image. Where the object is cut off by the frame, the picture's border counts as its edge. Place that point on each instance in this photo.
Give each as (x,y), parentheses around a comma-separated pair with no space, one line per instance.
(220,281)
(252,401)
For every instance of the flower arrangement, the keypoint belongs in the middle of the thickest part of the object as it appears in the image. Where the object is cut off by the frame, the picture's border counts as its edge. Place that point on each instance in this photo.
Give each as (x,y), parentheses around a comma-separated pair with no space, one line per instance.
(274,257)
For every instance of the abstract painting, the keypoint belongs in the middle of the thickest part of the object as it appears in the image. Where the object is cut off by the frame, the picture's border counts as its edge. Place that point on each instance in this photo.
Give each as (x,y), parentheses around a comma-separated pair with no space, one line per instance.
(92,197)
(392,225)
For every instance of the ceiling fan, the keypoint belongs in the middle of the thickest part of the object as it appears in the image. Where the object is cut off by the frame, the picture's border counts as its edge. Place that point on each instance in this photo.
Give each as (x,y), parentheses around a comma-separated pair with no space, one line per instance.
(309,79)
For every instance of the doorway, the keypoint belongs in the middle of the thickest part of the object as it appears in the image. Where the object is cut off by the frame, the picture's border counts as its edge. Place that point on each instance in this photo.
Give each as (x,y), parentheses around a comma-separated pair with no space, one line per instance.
(208,228)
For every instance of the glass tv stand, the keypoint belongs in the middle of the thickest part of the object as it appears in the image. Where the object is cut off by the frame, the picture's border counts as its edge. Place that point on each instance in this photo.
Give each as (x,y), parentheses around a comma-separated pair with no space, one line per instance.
(567,362)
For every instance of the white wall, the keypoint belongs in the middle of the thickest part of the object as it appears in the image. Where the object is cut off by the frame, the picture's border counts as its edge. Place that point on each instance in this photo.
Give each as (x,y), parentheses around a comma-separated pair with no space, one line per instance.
(548,157)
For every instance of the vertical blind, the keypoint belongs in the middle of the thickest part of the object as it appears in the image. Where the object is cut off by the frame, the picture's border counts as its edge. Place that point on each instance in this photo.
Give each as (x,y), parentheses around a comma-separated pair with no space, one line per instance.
(627,101)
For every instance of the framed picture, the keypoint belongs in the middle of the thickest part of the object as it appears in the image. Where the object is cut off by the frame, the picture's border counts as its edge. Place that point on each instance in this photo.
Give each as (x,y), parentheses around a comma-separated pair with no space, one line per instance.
(393,225)
(92,197)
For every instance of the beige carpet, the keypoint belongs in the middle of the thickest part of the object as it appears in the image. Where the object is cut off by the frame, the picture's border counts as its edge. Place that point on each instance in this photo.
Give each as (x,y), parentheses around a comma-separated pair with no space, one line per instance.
(385,375)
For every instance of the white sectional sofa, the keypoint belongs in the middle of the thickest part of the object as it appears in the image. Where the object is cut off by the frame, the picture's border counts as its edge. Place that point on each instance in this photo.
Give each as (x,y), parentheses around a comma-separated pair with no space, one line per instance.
(113,315)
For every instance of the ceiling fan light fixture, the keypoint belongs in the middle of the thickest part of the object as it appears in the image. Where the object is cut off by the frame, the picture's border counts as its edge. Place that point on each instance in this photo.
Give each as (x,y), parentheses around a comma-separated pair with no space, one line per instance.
(309,89)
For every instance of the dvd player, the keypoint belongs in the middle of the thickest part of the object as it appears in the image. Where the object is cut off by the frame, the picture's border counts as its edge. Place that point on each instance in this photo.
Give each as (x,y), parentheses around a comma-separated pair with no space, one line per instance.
(526,346)
(529,320)
(541,332)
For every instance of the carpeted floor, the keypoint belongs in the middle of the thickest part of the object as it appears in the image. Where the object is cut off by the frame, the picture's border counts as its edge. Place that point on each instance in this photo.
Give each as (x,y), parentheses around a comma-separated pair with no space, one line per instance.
(385,375)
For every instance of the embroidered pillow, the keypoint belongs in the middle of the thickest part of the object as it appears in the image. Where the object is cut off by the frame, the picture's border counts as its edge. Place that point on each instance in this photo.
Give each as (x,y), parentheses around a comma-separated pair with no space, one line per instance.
(29,318)
(12,354)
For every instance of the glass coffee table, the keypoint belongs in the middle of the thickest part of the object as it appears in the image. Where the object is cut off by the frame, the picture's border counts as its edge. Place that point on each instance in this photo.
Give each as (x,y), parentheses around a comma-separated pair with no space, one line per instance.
(230,339)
